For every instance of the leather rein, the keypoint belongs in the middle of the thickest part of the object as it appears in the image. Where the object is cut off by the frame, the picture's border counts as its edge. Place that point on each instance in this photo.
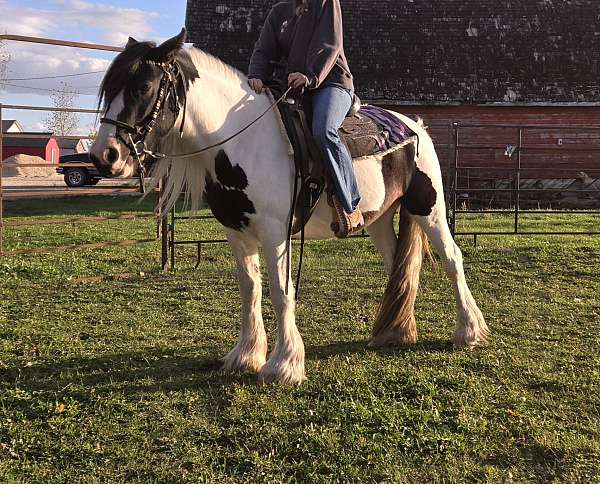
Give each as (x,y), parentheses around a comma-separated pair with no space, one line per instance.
(135,135)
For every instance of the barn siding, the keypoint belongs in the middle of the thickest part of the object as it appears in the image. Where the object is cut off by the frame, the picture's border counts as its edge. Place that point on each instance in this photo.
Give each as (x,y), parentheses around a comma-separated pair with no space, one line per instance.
(557,160)
(8,151)
(52,151)
(44,151)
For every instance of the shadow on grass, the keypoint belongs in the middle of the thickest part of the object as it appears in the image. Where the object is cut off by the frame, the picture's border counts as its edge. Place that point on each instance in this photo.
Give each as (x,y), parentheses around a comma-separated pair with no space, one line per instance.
(127,373)
(361,347)
(154,371)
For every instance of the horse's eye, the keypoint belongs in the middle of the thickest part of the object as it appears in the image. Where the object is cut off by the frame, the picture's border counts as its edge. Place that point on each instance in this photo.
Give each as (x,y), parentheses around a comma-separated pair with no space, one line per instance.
(145,87)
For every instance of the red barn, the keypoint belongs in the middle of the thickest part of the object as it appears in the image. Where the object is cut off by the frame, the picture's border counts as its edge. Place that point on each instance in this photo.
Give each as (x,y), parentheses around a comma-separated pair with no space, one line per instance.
(43,145)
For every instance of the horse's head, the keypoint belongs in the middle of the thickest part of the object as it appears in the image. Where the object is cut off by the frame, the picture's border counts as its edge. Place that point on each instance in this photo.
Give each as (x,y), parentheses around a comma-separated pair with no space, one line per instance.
(142,95)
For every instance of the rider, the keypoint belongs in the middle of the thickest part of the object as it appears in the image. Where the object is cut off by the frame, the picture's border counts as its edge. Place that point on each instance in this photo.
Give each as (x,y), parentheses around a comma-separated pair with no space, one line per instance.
(308,35)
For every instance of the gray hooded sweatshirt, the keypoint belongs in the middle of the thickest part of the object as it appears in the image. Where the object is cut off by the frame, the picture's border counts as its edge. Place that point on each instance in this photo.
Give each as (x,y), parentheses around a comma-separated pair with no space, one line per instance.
(312,43)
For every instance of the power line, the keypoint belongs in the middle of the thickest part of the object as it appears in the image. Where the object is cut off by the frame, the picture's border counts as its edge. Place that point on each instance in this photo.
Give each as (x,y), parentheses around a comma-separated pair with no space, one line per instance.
(53,77)
(47,90)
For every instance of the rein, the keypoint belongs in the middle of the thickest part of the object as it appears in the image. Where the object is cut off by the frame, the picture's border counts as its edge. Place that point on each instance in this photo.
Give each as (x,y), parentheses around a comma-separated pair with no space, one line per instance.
(136,134)
(220,143)
(136,142)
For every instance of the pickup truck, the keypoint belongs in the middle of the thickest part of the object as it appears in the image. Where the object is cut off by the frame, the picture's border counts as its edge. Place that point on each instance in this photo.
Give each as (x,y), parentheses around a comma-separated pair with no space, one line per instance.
(83,173)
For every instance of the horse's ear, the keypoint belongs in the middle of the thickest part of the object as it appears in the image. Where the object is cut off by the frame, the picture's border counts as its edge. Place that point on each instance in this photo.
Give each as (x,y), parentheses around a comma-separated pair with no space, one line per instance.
(169,48)
(130,41)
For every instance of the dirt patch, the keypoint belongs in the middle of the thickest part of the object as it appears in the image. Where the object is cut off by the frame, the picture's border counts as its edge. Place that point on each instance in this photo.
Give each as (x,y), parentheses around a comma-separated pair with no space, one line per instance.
(11,167)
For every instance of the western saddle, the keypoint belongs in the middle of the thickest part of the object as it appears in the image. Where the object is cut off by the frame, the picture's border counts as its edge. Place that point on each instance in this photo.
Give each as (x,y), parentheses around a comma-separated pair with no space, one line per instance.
(360,134)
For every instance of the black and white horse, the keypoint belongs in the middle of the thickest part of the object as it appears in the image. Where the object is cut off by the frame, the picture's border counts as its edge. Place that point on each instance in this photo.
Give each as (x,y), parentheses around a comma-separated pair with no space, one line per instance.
(183,100)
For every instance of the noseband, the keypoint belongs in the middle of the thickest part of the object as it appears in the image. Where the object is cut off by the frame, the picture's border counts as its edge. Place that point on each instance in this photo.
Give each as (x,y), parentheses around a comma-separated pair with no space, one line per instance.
(134,136)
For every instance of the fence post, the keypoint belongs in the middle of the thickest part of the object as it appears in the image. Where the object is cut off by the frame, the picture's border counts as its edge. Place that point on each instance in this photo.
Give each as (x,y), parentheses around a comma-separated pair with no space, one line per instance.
(454,185)
(446,177)
(172,237)
(1,188)
(518,182)
(163,220)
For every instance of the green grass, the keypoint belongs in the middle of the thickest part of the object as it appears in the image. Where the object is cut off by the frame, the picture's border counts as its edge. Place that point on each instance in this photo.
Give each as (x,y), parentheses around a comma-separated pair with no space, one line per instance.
(118,380)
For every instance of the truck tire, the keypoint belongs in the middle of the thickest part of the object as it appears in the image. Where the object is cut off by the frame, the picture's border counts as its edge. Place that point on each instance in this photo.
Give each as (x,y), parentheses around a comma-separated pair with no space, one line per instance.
(76,177)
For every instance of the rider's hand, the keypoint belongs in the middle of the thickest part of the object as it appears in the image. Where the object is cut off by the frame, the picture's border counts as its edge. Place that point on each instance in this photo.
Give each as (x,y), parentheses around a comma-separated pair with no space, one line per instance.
(297,80)
(257,85)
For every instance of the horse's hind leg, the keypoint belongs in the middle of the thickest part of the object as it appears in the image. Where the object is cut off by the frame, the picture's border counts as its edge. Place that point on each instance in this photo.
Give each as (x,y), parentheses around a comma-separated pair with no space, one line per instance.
(286,362)
(250,352)
(383,235)
(395,323)
(471,328)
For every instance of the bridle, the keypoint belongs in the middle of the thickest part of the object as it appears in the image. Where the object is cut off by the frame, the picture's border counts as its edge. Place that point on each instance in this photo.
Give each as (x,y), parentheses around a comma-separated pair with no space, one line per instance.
(134,136)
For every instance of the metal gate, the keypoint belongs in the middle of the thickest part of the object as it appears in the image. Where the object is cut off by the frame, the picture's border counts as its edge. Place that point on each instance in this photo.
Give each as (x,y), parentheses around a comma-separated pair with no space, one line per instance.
(508,163)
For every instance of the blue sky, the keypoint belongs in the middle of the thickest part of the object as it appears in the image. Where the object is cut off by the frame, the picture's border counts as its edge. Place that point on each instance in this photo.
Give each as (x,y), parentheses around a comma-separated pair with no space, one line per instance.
(108,22)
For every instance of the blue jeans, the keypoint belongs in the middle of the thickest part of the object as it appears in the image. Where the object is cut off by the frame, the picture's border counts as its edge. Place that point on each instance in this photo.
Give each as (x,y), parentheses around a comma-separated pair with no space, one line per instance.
(330,105)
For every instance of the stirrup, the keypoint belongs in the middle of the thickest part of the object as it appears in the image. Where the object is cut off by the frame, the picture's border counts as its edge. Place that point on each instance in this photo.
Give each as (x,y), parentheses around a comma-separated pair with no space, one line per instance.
(343,227)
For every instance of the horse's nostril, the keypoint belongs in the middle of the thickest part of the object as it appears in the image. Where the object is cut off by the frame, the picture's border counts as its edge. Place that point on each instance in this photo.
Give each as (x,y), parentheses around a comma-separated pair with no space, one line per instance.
(111,155)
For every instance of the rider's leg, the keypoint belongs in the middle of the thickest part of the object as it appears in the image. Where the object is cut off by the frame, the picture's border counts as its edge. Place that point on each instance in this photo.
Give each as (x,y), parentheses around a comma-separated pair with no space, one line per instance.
(330,105)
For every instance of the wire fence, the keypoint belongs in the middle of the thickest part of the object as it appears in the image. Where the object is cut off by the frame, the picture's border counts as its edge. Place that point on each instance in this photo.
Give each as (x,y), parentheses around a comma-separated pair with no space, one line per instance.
(473,184)
(4,224)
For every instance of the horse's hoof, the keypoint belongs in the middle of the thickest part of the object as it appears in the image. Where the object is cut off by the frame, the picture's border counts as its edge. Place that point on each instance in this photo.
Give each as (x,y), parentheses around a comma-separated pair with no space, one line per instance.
(394,337)
(285,374)
(245,363)
(470,339)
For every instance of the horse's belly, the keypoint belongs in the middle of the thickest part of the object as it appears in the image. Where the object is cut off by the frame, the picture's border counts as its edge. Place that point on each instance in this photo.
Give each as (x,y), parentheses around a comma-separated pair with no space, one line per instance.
(319,225)
(371,184)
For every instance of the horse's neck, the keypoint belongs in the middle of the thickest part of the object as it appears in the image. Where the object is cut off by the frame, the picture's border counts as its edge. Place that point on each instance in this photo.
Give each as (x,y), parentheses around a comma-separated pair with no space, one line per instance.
(217,108)
(212,106)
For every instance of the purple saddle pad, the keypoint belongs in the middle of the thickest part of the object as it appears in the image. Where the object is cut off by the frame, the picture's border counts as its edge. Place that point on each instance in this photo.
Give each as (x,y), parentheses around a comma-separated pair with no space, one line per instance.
(397,131)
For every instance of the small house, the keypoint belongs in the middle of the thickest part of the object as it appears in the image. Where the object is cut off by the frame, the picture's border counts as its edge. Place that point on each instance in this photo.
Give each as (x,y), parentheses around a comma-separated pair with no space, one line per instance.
(11,126)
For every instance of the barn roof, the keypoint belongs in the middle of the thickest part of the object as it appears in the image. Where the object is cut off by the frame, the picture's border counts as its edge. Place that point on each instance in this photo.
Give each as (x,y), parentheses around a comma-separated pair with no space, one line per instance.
(27,142)
(440,51)
(67,143)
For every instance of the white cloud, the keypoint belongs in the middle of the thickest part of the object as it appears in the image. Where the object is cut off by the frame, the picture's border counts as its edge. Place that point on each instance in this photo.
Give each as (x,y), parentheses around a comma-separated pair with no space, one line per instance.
(115,23)
(101,22)
(35,126)
(23,21)
(111,23)
(30,60)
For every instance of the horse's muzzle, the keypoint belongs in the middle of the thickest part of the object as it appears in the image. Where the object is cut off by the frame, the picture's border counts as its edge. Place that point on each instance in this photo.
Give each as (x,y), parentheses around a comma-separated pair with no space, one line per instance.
(103,167)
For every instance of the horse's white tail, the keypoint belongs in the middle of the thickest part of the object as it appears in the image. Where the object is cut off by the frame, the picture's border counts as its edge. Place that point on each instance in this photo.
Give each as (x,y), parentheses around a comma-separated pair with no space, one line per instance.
(395,323)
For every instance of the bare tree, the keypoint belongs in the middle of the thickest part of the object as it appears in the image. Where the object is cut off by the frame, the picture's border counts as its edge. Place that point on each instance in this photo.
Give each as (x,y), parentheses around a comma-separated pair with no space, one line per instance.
(4,60)
(63,123)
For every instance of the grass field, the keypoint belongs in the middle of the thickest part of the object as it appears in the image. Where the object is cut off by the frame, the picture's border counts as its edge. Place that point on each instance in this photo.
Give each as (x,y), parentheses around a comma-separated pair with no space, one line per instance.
(118,380)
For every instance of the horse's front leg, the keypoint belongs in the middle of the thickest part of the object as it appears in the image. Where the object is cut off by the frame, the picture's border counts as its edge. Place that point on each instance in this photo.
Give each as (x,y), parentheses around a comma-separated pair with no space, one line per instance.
(286,362)
(250,352)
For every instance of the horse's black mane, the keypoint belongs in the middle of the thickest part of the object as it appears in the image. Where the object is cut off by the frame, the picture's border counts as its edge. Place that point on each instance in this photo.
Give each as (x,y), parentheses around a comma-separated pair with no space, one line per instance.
(122,67)
(128,62)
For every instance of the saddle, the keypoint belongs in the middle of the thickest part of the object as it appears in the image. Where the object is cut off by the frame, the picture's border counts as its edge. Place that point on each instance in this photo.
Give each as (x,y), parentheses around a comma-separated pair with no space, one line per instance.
(362,135)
